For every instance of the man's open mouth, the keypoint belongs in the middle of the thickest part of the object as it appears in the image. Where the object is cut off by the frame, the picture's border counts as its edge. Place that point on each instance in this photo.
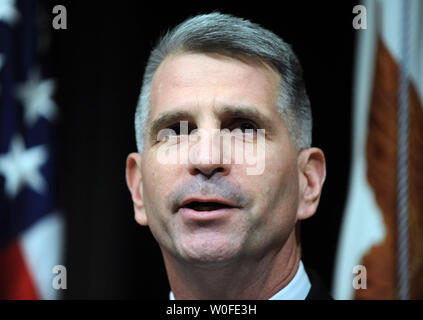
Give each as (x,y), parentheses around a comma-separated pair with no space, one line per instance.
(202,209)
(206,206)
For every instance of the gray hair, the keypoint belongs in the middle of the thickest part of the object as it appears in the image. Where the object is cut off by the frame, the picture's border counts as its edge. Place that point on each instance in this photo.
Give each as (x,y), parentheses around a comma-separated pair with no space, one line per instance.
(223,33)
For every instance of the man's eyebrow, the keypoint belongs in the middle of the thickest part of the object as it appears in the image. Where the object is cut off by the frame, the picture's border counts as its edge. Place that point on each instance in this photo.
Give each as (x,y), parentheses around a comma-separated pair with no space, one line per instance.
(165,119)
(244,111)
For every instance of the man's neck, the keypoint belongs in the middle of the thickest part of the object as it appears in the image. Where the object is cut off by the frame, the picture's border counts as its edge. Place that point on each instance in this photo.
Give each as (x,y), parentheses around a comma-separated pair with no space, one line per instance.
(246,279)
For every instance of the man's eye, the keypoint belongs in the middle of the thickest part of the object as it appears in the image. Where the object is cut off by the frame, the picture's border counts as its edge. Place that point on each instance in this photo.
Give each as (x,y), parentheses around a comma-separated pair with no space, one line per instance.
(175,128)
(179,129)
(245,126)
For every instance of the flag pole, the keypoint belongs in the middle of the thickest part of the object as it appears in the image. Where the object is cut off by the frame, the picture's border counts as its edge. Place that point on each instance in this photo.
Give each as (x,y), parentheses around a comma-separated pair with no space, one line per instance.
(402,172)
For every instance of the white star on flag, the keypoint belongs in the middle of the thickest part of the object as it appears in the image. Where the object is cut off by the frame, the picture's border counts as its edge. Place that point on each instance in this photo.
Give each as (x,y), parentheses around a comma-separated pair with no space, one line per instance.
(36,96)
(8,12)
(21,166)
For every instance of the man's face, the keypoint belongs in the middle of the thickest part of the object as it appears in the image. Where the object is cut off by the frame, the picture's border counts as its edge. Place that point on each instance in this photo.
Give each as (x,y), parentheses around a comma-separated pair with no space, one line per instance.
(205,212)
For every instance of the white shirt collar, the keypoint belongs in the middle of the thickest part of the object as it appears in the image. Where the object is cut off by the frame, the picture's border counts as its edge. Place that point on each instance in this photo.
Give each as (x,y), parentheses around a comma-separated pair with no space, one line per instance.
(297,288)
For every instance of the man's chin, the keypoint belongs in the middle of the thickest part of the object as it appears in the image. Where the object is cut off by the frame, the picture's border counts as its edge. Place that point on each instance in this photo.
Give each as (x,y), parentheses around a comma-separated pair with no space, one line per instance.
(208,254)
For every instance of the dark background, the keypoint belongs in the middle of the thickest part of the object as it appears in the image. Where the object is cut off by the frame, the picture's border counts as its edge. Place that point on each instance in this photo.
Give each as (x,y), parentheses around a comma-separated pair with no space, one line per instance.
(99,61)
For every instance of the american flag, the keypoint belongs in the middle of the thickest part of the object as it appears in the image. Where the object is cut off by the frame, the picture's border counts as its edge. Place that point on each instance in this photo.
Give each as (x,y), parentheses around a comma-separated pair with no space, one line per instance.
(31,227)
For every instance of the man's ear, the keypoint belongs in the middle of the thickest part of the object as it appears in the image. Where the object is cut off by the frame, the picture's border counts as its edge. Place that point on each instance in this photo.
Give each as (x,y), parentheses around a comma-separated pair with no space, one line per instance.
(134,182)
(312,174)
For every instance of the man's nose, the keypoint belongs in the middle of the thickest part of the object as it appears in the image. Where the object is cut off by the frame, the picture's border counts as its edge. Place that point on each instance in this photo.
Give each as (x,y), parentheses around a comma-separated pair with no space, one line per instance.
(206,155)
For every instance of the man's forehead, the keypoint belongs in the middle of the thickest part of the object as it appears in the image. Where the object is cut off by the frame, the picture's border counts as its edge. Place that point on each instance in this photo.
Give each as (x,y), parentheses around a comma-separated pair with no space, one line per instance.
(195,79)
(183,68)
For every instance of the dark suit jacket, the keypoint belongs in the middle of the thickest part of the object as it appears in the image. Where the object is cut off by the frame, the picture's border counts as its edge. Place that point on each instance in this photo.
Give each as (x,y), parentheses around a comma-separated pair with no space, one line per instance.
(318,290)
